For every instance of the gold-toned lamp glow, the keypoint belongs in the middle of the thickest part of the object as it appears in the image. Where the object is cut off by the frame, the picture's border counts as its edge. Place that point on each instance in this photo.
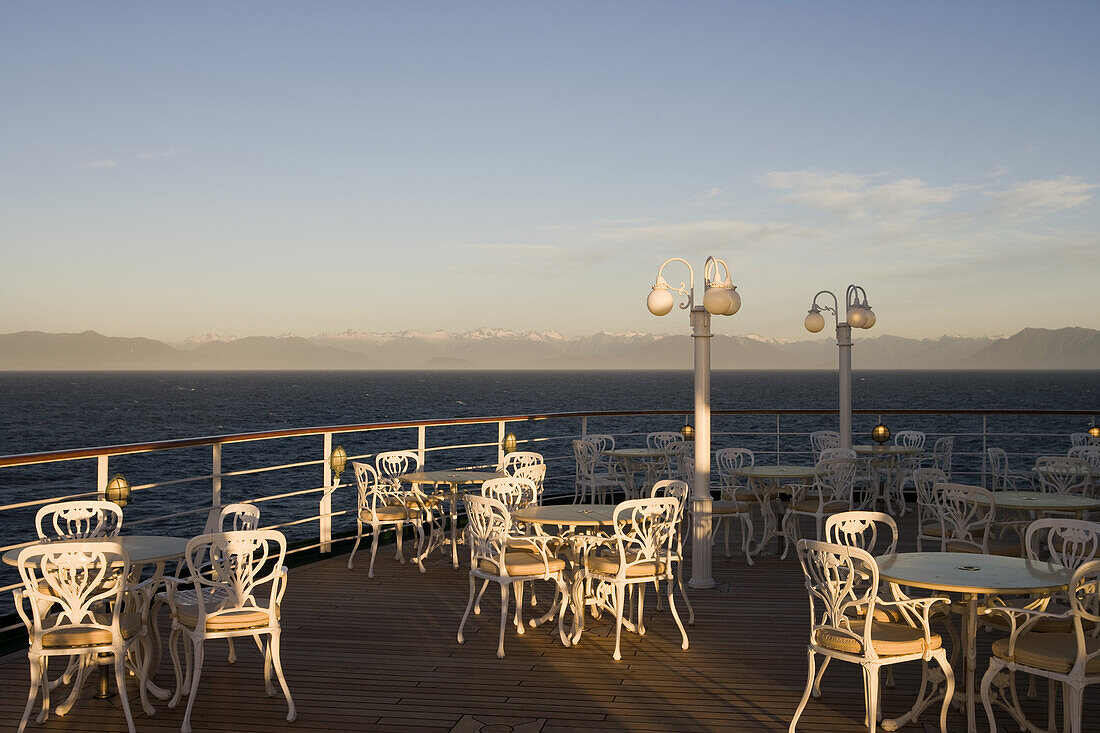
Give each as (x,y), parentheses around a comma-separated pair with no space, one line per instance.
(118,490)
(1094,431)
(687,433)
(338,461)
(880,434)
(509,443)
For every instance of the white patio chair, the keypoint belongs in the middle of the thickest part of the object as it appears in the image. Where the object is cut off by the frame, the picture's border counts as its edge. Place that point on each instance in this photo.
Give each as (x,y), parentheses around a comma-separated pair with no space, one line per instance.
(928,519)
(830,493)
(1063,475)
(875,532)
(681,492)
(492,558)
(1088,453)
(78,520)
(966,515)
(822,439)
(520,458)
(81,605)
(597,479)
(942,451)
(1070,657)
(514,492)
(536,474)
(382,503)
(736,498)
(683,461)
(1076,439)
(843,585)
(910,439)
(1002,478)
(665,440)
(229,573)
(645,536)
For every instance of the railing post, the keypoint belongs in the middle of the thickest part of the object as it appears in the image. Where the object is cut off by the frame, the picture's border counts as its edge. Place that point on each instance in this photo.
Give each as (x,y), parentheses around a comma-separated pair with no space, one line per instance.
(421,442)
(777,438)
(500,443)
(101,476)
(985,451)
(216,475)
(325,525)
(584,427)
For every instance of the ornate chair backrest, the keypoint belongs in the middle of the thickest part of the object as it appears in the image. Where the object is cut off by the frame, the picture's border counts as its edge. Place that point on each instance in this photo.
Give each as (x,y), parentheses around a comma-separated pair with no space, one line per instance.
(373,491)
(74,580)
(645,531)
(513,492)
(602,441)
(965,514)
(822,439)
(536,474)
(1062,474)
(521,459)
(684,455)
(842,583)
(941,453)
(910,438)
(835,478)
(875,532)
(1088,453)
(1076,439)
(229,568)
(487,530)
(78,520)
(998,467)
(828,453)
(679,491)
(925,480)
(662,439)
(391,464)
(1085,604)
(242,517)
(1067,542)
(585,452)
(728,460)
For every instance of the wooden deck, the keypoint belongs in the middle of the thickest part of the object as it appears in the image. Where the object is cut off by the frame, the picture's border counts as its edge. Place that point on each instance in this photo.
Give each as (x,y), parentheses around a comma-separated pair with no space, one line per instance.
(381,655)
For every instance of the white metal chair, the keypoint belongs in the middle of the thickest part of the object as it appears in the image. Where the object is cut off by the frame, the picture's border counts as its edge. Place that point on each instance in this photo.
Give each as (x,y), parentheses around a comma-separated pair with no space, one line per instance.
(875,532)
(81,606)
(1076,439)
(928,521)
(519,459)
(229,572)
(910,438)
(492,558)
(536,474)
(843,585)
(966,515)
(1002,478)
(830,493)
(665,440)
(822,439)
(736,498)
(683,461)
(1063,475)
(597,479)
(1088,453)
(383,503)
(942,451)
(77,520)
(514,492)
(1070,657)
(681,492)
(645,536)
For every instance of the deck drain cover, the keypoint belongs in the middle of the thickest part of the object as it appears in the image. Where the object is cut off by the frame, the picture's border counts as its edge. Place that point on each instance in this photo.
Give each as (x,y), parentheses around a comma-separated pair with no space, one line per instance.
(497,724)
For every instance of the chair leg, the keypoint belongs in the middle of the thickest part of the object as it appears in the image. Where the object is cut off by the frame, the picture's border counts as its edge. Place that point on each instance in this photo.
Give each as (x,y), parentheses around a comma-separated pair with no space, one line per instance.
(518,590)
(143,677)
(195,674)
(1074,698)
(949,693)
(373,549)
(820,674)
(274,646)
(399,530)
(44,672)
(790,533)
(504,593)
(683,592)
(78,684)
(420,544)
(469,605)
(805,694)
(871,677)
(987,683)
(174,653)
(36,681)
(746,537)
(620,600)
(269,688)
(641,606)
(676,617)
(477,603)
(120,685)
(232,652)
(358,539)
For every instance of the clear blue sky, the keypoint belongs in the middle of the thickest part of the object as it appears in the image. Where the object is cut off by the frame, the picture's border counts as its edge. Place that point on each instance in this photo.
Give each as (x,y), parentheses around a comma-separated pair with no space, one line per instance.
(169,169)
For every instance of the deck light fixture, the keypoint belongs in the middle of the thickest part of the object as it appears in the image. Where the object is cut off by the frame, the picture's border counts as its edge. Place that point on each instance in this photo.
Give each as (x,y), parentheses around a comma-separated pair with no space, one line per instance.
(509,443)
(1094,431)
(338,461)
(857,314)
(880,434)
(117,490)
(720,298)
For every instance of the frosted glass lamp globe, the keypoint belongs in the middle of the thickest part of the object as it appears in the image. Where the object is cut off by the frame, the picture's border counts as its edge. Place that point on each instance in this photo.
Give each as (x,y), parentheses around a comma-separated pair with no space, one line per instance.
(814,321)
(717,300)
(870,318)
(660,300)
(856,316)
(735,302)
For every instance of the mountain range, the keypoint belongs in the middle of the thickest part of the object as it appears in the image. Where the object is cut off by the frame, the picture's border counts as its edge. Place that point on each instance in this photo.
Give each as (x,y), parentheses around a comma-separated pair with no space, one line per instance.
(1031,348)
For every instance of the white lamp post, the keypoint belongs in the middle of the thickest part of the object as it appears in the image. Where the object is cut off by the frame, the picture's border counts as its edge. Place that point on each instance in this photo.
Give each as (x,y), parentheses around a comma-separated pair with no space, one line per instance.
(720,298)
(857,314)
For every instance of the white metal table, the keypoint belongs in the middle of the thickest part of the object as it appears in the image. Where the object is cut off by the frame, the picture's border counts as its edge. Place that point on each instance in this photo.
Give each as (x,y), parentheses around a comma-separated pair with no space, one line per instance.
(632,460)
(890,459)
(764,484)
(452,479)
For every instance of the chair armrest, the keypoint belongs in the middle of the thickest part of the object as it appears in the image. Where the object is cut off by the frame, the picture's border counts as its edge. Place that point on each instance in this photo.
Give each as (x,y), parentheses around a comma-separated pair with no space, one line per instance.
(798,491)
(18,597)
(918,612)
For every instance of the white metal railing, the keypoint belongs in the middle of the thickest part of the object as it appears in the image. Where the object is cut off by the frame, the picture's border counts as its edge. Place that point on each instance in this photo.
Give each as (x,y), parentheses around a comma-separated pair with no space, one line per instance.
(479,446)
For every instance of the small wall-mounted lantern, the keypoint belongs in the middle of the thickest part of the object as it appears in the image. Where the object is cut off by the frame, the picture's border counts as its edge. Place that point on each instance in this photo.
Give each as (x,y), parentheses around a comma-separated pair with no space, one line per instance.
(338,461)
(687,433)
(880,434)
(509,443)
(1094,431)
(118,490)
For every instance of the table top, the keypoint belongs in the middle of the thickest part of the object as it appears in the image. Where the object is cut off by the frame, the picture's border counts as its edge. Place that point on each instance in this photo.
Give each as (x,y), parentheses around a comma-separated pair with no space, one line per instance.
(962,572)
(889,450)
(142,548)
(448,477)
(1043,501)
(1091,472)
(780,471)
(639,452)
(572,515)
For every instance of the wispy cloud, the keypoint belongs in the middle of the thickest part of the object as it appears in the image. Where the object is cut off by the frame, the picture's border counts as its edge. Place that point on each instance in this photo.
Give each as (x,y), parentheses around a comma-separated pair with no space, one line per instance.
(1040,197)
(154,154)
(857,197)
(105,163)
(706,232)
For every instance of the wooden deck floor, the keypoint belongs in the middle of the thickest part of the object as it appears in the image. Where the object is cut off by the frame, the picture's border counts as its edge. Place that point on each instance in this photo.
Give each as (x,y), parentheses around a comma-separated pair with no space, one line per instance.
(381,655)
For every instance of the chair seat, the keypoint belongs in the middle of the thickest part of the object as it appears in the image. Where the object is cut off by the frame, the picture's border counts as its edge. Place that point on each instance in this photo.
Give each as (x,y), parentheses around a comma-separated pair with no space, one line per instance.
(888,639)
(385,514)
(1054,652)
(129,624)
(521,563)
(810,505)
(1005,548)
(728,507)
(245,618)
(609,565)
(931,529)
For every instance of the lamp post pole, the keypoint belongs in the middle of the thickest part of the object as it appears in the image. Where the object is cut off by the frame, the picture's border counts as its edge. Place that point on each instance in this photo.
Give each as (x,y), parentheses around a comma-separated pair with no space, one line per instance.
(720,298)
(858,314)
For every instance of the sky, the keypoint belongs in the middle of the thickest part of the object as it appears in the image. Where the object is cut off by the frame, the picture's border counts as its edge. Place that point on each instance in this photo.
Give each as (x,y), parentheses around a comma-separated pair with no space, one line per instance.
(260,168)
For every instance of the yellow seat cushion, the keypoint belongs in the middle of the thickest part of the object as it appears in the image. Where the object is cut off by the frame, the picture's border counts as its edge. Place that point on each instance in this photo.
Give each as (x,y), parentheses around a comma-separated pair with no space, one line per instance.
(1006,548)
(521,562)
(129,624)
(728,507)
(888,639)
(1054,652)
(931,529)
(245,618)
(385,514)
(809,505)
(609,565)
